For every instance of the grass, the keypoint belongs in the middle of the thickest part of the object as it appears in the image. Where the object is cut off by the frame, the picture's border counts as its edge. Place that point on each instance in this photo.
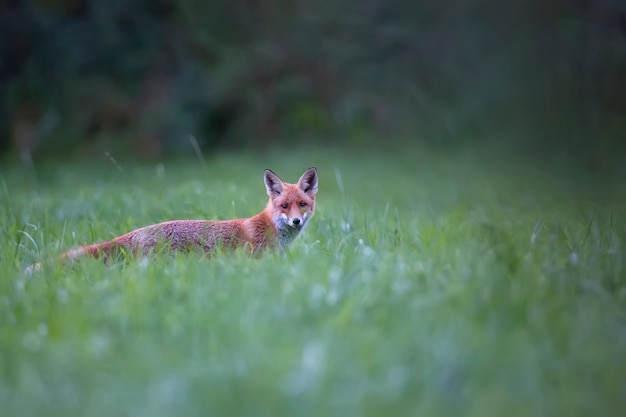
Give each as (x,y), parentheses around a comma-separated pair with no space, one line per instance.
(427,284)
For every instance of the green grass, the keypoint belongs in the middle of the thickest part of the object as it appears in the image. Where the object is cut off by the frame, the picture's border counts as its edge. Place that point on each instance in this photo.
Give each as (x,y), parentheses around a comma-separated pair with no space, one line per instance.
(427,284)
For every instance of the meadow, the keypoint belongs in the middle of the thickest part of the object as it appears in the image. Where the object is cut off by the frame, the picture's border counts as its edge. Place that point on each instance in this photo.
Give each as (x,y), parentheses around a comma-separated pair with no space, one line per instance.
(429,283)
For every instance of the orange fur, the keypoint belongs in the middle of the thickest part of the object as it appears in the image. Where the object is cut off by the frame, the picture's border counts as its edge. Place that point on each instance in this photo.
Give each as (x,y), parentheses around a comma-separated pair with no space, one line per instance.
(288,210)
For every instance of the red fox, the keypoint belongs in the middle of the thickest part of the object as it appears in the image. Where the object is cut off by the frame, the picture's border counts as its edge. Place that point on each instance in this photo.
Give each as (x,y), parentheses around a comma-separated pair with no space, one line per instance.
(288,211)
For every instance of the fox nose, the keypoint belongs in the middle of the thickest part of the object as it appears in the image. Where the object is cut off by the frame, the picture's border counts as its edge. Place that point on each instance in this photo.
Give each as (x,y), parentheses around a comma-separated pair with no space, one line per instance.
(296,221)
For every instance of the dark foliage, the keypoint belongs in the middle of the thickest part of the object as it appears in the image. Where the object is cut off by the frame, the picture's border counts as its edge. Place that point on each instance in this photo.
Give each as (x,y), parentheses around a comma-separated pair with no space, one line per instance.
(147,75)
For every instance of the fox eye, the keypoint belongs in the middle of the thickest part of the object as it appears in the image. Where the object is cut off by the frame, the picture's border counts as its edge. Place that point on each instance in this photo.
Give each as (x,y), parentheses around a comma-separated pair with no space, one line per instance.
(302,204)
(285,205)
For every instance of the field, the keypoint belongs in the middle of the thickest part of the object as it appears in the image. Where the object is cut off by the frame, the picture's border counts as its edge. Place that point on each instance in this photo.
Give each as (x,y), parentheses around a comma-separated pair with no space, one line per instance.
(429,283)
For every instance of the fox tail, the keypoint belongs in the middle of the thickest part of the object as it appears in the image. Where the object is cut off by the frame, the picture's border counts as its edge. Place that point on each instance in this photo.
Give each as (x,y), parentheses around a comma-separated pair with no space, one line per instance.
(96,250)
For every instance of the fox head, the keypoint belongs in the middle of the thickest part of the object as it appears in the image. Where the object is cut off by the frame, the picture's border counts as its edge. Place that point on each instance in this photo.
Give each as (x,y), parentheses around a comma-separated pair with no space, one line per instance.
(291,205)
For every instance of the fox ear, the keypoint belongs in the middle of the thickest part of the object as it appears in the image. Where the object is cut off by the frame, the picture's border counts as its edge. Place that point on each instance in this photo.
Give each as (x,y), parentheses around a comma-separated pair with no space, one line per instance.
(308,181)
(273,184)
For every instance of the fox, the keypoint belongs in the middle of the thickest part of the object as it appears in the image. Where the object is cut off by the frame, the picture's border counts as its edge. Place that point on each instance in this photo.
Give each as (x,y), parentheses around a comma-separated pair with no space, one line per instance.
(289,209)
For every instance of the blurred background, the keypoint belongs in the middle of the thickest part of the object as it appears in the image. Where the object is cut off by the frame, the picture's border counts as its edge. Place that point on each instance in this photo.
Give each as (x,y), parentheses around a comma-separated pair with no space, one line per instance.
(155,78)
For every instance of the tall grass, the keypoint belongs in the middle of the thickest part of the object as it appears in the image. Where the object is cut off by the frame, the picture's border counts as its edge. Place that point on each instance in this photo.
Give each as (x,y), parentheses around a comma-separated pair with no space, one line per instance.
(428,283)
